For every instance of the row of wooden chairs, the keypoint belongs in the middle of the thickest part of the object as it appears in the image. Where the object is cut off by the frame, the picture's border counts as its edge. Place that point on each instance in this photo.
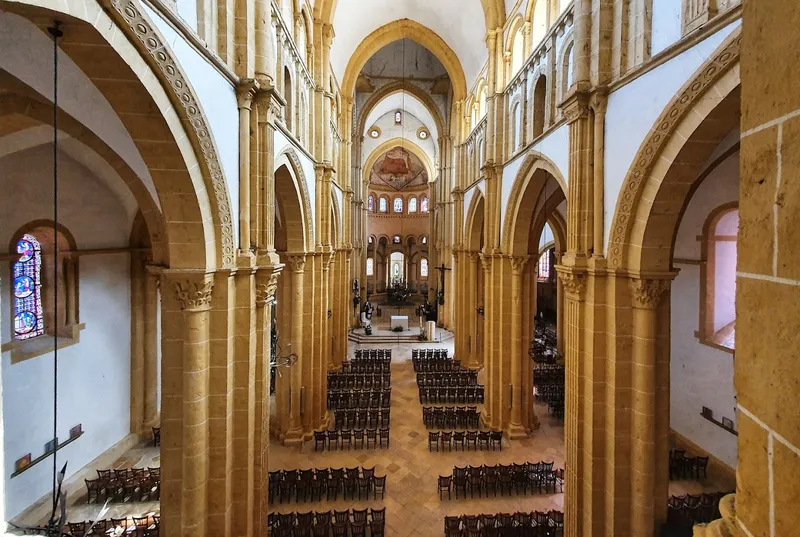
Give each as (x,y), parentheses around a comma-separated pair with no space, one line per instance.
(146,526)
(519,524)
(124,485)
(360,381)
(458,396)
(302,485)
(355,522)
(351,438)
(688,510)
(367,365)
(438,417)
(430,365)
(450,379)
(373,353)
(512,479)
(682,467)
(478,439)
(352,399)
(361,418)
(437,354)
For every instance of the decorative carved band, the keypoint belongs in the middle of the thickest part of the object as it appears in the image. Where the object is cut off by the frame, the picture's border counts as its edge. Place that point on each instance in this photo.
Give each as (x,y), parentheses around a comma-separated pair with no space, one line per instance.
(194,294)
(152,43)
(647,294)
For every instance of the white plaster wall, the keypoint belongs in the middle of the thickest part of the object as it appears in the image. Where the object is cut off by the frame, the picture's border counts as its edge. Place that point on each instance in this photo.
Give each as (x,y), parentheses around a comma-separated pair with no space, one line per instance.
(187,9)
(217,96)
(700,375)
(468,194)
(634,108)
(94,375)
(554,146)
(666,24)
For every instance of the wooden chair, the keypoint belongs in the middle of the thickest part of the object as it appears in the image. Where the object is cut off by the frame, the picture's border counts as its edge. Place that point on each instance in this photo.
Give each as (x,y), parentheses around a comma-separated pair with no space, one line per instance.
(444,484)
(378,486)
(433,441)
(384,436)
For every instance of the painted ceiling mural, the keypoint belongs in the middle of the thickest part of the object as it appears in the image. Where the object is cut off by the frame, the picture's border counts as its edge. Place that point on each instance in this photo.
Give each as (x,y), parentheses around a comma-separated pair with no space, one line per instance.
(398,169)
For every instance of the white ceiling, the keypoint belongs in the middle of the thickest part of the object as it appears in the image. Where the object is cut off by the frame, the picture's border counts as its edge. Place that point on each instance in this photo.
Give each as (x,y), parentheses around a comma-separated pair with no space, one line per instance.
(402,101)
(460,23)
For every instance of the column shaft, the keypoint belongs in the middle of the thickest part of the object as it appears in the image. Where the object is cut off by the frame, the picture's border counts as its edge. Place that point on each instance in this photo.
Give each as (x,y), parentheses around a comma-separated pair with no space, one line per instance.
(150,351)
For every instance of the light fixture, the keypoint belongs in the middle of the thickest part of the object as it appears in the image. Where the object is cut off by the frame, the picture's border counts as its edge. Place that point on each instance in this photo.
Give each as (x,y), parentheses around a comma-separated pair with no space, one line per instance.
(423,134)
(374,132)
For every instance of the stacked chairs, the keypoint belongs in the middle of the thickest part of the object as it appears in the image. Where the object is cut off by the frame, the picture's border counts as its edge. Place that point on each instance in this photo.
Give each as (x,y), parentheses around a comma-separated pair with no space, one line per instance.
(144,526)
(451,379)
(520,479)
(359,381)
(437,417)
(358,523)
(688,510)
(451,440)
(125,485)
(534,524)
(352,399)
(361,418)
(548,384)
(351,439)
(286,486)
(683,467)
(459,396)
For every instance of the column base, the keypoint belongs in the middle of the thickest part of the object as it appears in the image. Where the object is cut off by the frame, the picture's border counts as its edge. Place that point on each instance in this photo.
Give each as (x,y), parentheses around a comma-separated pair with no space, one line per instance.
(534,424)
(294,437)
(516,431)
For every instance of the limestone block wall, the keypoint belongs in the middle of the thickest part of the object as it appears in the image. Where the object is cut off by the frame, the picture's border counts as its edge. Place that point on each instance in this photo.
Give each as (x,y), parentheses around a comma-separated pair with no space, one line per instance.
(768,287)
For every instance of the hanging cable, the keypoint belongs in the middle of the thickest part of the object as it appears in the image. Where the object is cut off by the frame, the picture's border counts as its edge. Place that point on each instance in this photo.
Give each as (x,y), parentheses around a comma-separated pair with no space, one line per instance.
(56,32)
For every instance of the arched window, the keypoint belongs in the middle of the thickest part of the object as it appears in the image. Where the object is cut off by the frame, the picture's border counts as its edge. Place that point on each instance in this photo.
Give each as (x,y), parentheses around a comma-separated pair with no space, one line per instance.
(424,239)
(398,118)
(396,239)
(287,95)
(370,240)
(412,205)
(517,51)
(720,234)
(423,204)
(398,204)
(383,205)
(539,22)
(482,102)
(371,203)
(28,311)
(370,266)
(544,266)
(539,102)
(423,268)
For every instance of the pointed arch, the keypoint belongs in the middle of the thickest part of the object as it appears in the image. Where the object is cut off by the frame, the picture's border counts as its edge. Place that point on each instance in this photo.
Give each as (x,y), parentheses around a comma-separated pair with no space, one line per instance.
(396,87)
(473,227)
(376,153)
(295,201)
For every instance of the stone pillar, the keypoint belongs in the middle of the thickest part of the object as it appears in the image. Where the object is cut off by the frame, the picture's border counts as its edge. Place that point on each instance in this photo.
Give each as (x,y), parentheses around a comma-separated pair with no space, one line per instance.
(515,427)
(137,344)
(475,356)
(150,340)
(294,433)
(185,439)
(559,310)
(646,294)
(245,93)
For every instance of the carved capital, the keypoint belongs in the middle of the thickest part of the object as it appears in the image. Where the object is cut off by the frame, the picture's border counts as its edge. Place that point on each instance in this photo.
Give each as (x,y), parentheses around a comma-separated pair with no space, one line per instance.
(518,264)
(474,256)
(574,283)
(576,107)
(267,284)
(194,293)
(486,262)
(647,294)
(246,92)
(296,262)
(328,259)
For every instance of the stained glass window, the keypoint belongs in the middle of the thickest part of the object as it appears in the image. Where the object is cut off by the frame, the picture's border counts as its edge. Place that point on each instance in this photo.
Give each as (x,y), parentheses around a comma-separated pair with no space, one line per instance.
(423,268)
(412,205)
(398,205)
(544,266)
(383,205)
(370,266)
(28,316)
(423,204)
(371,204)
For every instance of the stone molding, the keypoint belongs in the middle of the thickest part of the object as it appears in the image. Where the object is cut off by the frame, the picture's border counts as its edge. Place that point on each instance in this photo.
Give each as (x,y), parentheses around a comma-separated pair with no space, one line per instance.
(726,56)
(266,286)
(246,92)
(194,292)
(647,293)
(296,262)
(518,264)
(305,197)
(574,282)
(153,45)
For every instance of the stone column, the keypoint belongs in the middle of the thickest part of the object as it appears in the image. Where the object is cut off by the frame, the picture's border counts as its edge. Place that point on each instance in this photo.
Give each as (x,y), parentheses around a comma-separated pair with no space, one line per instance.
(137,344)
(646,294)
(193,294)
(515,426)
(475,358)
(294,433)
(150,341)
(559,310)
(245,92)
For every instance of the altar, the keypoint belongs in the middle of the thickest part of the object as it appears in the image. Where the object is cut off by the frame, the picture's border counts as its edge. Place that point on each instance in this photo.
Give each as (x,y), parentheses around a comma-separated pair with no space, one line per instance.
(399,320)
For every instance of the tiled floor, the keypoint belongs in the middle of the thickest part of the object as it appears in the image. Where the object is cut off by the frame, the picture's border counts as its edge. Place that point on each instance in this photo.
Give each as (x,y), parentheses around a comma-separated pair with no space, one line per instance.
(412,502)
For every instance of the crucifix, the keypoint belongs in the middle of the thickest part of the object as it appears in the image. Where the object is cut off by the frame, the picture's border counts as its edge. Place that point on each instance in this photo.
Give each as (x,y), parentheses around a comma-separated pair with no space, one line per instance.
(441,270)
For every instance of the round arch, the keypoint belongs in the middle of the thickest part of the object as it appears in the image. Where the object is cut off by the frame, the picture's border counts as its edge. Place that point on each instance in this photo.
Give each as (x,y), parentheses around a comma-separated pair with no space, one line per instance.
(405,144)
(336,226)
(396,87)
(534,170)
(402,29)
(193,192)
(293,197)
(473,227)
(679,135)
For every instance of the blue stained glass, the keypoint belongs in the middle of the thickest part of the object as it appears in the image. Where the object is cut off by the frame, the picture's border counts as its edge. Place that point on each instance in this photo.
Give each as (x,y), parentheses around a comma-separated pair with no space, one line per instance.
(28,314)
